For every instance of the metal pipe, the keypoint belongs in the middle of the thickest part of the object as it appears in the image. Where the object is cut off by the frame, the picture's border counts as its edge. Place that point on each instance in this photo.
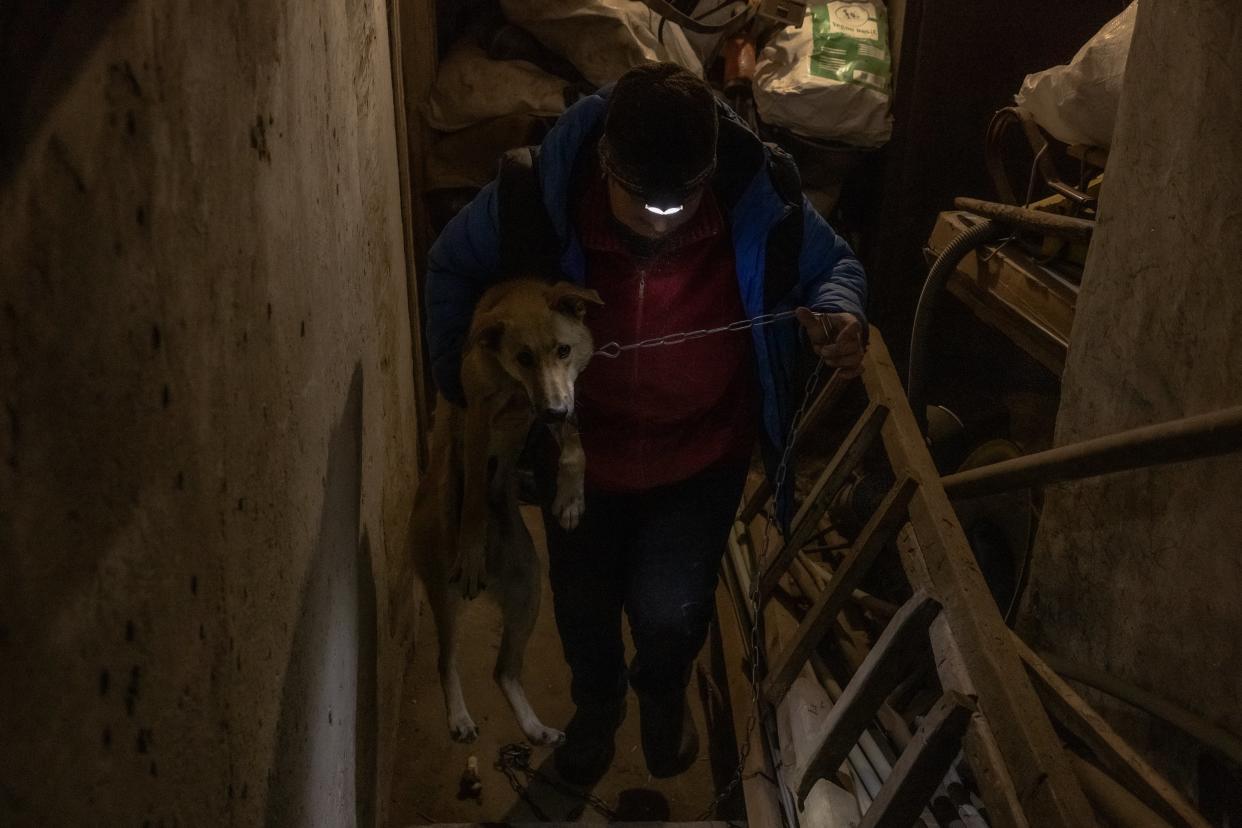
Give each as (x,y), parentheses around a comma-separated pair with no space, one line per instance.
(1190,438)
(1054,224)
(962,245)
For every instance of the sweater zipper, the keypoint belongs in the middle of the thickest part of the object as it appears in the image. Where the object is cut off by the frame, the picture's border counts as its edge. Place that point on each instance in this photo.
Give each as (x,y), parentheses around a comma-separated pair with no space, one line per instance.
(638,335)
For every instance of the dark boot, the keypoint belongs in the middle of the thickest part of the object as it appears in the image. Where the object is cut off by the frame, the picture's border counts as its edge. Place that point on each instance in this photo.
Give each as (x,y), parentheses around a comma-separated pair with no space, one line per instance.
(670,742)
(590,742)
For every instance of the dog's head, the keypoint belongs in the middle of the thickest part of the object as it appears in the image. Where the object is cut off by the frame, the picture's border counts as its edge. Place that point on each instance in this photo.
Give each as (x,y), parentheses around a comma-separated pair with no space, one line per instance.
(537,334)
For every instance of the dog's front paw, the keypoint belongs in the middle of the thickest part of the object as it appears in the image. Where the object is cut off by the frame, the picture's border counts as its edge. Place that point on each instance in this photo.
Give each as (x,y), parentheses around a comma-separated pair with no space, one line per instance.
(543,735)
(469,572)
(569,505)
(463,729)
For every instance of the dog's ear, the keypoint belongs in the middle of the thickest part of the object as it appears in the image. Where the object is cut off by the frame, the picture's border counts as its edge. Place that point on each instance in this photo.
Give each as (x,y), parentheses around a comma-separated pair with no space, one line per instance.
(572,300)
(487,331)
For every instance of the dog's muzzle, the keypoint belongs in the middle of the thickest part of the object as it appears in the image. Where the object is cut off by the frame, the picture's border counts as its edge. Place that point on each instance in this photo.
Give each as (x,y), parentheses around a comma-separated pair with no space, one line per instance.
(554,415)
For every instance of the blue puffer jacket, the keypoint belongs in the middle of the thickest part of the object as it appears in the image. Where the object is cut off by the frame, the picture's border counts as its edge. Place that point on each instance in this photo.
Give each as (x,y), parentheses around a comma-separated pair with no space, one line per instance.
(465,259)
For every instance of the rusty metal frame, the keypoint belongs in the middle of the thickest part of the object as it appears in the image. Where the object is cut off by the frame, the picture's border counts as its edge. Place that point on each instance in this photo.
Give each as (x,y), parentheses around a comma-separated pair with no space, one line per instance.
(1190,438)
(995,162)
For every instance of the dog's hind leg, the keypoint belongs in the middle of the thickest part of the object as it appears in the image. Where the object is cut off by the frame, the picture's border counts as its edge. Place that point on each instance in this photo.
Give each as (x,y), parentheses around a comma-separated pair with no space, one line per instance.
(518,594)
(446,606)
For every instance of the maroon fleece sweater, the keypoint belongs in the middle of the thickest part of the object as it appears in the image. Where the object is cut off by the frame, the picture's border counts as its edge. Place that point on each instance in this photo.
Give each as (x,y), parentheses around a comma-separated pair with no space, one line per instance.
(656,416)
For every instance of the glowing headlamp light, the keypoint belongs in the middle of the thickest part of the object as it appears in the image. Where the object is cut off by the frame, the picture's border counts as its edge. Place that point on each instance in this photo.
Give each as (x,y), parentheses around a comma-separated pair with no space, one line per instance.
(665,211)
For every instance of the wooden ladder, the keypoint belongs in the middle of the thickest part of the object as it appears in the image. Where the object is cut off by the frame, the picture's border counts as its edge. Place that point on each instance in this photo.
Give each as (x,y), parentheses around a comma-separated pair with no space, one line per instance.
(988,706)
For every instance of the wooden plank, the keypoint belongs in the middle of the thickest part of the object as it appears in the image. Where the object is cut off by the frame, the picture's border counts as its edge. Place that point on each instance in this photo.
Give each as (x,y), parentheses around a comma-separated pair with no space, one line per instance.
(829,482)
(944,565)
(1121,760)
(886,520)
(923,765)
(897,648)
(1041,344)
(996,785)
(1006,275)
(824,402)
(413,55)
(1012,292)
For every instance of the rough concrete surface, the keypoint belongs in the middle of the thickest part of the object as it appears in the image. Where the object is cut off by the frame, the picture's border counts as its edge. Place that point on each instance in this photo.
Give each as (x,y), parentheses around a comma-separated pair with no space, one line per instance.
(1139,573)
(206,425)
(429,764)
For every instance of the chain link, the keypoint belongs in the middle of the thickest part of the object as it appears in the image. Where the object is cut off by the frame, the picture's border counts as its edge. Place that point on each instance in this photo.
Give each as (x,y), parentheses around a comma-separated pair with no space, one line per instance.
(514,759)
(614,349)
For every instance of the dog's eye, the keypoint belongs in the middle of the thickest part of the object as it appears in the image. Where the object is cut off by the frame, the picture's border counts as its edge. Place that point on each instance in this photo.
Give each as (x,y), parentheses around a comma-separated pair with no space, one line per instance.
(562,351)
(525,358)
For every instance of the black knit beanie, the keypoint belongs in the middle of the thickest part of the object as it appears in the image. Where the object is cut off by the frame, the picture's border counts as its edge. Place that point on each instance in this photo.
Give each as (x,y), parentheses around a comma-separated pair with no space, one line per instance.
(659,137)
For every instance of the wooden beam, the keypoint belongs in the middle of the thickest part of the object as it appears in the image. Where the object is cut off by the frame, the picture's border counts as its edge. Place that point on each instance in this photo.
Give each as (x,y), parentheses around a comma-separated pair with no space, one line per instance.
(1121,760)
(898,647)
(888,517)
(996,784)
(412,52)
(942,564)
(923,765)
(806,522)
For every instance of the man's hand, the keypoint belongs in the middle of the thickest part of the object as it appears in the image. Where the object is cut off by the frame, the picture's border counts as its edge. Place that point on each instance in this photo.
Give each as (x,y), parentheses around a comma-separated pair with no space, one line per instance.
(838,339)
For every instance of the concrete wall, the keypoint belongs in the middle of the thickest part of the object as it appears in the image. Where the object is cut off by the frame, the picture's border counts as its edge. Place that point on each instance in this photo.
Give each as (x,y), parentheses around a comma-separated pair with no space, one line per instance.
(206,419)
(1140,573)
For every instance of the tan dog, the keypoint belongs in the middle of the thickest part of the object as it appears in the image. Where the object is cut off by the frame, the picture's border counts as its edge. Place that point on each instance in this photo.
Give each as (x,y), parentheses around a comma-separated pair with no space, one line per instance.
(527,345)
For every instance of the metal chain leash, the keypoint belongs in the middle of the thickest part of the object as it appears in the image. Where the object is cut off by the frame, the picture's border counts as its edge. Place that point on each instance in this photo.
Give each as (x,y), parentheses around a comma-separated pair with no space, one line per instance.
(614,349)
(753,716)
(515,758)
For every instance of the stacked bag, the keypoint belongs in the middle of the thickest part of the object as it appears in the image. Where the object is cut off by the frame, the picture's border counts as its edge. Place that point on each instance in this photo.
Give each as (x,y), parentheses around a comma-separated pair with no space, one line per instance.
(831,79)
(1077,103)
(602,39)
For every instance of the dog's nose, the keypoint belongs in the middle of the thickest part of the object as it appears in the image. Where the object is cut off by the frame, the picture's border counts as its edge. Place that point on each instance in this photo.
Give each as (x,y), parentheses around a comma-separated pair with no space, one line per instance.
(554,415)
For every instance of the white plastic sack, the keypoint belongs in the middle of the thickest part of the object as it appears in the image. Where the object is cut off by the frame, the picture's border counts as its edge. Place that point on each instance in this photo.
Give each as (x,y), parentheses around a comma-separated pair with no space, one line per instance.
(1077,103)
(832,78)
(603,39)
(470,87)
(710,12)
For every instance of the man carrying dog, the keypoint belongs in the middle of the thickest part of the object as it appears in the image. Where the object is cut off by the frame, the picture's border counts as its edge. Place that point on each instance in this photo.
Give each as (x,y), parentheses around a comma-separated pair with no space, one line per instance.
(657,196)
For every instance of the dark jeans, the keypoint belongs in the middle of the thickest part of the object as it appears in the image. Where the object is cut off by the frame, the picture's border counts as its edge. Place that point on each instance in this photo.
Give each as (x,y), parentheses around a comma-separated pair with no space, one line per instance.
(655,555)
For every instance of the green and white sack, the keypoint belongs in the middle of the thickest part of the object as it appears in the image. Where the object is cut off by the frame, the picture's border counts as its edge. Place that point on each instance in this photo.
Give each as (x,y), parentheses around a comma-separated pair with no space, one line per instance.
(832,78)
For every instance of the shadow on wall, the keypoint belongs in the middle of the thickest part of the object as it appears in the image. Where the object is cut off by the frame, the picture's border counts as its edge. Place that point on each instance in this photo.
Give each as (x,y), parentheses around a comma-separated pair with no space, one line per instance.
(41,46)
(325,763)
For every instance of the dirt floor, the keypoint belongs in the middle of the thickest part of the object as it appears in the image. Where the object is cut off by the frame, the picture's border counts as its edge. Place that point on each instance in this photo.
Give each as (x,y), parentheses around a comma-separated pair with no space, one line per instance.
(429,764)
